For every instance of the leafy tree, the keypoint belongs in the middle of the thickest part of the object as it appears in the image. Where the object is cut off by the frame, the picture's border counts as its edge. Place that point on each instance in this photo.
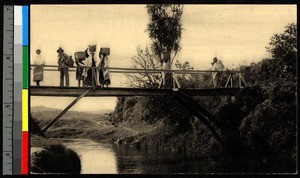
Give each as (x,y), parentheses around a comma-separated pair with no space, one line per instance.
(283,48)
(165,27)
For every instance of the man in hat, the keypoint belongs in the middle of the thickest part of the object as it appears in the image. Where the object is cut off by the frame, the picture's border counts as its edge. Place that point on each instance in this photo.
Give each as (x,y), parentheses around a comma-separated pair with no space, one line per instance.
(217,65)
(63,67)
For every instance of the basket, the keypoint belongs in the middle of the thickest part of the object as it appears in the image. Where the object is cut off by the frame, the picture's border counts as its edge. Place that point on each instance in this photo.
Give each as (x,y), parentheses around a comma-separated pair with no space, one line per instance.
(166,56)
(104,51)
(80,55)
(70,62)
(92,48)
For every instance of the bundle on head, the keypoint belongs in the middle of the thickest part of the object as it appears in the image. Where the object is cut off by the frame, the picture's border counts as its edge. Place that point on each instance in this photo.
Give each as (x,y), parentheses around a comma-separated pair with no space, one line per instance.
(80,56)
(92,48)
(105,51)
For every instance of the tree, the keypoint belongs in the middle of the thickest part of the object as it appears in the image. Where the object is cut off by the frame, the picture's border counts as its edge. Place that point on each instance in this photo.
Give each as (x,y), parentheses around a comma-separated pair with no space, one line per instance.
(165,28)
(144,59)
(283,48)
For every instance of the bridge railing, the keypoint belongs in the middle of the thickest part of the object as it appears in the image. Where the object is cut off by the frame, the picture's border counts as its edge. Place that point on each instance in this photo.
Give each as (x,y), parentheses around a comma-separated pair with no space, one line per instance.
(54,78)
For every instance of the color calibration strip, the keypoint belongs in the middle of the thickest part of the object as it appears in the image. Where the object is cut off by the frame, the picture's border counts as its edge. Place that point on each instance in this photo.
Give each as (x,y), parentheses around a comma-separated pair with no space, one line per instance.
(8,87)
(15,90)
(17,120)
(24,159)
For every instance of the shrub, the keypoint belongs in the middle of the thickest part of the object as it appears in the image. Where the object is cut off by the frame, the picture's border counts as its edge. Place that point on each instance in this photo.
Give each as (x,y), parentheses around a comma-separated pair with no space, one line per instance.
(56,159)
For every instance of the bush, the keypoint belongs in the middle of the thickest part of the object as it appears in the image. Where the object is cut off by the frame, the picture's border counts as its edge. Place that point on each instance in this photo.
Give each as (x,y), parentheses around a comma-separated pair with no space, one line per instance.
(34,127)
(56,159)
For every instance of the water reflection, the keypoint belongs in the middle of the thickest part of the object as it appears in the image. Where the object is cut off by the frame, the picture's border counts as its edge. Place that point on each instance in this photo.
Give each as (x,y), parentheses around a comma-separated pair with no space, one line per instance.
(95,158)
(132,160)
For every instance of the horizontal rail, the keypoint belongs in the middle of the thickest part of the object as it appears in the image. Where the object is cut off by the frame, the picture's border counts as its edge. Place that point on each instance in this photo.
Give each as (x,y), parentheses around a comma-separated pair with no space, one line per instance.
(75,91)
(130,70)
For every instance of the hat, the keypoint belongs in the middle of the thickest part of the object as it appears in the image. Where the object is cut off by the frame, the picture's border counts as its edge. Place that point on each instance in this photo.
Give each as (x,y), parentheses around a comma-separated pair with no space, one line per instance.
(60,50)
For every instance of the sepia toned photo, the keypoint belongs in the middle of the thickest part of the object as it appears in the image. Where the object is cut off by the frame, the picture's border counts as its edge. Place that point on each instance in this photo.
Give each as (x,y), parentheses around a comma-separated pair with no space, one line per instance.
(163,89)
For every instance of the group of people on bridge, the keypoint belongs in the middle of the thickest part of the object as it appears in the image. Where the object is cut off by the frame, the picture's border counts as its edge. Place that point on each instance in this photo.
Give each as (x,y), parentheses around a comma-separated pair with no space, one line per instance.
(88,67)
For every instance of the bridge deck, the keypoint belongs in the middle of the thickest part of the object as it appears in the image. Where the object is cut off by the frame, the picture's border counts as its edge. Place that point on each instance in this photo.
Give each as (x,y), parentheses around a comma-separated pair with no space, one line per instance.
(75,91)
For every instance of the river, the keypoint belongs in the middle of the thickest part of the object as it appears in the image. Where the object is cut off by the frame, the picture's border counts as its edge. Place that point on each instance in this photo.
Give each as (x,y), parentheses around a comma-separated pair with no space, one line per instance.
(97,158)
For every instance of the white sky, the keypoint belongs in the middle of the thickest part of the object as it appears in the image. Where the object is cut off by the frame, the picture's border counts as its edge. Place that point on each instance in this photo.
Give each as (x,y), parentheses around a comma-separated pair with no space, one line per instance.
(237,34)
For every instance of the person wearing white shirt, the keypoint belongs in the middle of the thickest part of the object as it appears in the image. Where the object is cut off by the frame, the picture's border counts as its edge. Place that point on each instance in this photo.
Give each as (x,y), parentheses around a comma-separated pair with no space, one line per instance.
(217,65)
(38,71)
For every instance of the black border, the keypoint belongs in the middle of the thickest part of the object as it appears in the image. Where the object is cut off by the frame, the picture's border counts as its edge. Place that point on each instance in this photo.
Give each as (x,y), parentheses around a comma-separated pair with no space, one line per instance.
(1,80)
(29,2)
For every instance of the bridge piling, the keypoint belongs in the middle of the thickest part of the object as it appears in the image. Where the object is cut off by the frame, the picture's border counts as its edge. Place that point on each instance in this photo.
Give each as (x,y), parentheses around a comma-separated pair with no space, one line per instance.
(203,115)
(65,110)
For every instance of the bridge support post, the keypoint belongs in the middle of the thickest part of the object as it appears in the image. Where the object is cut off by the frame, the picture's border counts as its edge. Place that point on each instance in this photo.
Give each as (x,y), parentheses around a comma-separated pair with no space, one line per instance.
(241,80)
(65,110)
(198,111)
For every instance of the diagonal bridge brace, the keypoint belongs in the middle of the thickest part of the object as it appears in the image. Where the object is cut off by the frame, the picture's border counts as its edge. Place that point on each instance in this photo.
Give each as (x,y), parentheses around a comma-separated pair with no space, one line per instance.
(206,117)
(65,110)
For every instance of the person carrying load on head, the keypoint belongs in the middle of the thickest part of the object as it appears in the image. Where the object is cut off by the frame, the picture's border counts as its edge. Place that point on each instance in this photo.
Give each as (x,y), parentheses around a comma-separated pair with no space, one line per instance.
(91,73)
(38,71)
(79,60)
(166,75)
(64,62)
(104,77)
(217,65)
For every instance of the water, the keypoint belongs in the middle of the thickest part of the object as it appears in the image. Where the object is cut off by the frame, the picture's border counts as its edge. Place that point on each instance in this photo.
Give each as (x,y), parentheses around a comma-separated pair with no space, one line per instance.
(97,158)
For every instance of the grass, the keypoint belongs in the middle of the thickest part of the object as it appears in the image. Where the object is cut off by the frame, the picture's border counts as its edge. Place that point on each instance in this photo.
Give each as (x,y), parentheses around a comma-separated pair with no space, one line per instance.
(97,127)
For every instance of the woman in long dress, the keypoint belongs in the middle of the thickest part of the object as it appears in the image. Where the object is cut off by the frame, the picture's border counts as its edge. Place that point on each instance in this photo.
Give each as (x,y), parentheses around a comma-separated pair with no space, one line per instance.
(91,73)
(79,58)
(104,77)
(38,71)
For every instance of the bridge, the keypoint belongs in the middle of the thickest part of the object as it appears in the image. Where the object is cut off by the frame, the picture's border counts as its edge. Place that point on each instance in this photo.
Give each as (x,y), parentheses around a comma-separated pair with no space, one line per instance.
(183,96)
(114,91)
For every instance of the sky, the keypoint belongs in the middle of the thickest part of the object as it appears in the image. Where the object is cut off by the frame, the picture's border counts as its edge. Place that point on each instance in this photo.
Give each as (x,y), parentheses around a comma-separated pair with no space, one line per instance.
(236,34)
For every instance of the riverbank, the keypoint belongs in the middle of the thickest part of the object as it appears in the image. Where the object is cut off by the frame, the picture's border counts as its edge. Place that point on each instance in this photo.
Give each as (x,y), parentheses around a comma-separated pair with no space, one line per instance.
(140,134)
(159,137)
(97,127)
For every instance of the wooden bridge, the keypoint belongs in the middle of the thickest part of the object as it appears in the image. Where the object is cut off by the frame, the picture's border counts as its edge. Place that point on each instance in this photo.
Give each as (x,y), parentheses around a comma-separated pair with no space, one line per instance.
(180,95)
(98,92)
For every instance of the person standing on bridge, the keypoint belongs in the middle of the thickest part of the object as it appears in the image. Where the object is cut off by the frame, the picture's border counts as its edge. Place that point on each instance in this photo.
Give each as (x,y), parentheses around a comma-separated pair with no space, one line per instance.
(63,66)
(217,65)
(38,70)
(104,77)
(166,76)
(91,73)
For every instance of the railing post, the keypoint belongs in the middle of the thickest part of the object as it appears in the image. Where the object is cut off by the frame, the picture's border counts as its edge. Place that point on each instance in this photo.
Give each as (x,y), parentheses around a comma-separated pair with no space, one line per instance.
(93,78)
(175,81)
(240,81)
(231,80)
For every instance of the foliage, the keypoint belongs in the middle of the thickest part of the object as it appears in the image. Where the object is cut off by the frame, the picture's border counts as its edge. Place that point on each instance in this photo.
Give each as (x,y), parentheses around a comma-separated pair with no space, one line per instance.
(144,59)
(263,115)
(56,159)
(188,80)
(283,48)
(34,127)
(165,27)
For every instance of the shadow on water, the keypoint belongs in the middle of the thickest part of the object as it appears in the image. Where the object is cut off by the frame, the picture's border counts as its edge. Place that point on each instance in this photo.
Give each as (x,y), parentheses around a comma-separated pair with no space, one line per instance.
(131,160)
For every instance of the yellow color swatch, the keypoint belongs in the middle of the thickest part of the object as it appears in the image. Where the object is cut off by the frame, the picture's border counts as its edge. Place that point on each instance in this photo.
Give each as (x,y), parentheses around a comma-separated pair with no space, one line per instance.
(24,109)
